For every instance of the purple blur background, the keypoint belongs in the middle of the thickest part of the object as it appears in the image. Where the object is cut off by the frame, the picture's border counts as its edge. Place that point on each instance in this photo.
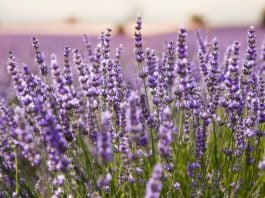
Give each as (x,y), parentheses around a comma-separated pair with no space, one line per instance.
(21,46)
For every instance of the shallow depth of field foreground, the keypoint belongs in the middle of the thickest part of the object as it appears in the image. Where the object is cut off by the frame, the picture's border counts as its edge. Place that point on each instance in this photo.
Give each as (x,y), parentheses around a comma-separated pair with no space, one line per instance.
(184,127)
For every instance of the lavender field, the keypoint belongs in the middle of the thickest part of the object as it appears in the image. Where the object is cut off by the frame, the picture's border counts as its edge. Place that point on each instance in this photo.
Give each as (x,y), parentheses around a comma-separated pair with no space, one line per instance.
(21,46)
(174,115)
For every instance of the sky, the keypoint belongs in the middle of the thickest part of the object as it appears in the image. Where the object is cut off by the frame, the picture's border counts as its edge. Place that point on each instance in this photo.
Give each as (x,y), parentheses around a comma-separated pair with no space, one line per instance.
(218,12)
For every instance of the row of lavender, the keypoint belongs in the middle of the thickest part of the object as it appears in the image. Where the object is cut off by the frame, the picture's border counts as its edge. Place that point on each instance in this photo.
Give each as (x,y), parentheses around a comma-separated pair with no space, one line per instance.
(188,129)
(22,48)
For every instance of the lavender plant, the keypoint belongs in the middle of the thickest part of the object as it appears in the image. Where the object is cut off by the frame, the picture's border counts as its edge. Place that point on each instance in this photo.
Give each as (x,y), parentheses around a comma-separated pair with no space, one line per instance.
(80,130)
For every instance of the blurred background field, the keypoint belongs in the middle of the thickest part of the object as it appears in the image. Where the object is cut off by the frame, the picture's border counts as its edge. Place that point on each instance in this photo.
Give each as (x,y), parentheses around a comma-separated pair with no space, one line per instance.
(63,22)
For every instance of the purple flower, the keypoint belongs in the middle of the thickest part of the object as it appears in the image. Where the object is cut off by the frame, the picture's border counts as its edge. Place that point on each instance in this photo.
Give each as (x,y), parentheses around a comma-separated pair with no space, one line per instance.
(181,44)
(106,44)
(88,48)
(191,167)
(202,64)
(104,138)
(170,63)
(212,80)
(134,122)
(261,165)
(154,185)
(262,99)
(56,143)
(104,182)
(228,56)
(262,69)
(82,72)
(165,132)
(202,44)
(8,141)
(252,101)
(176,186)
(39,57)
(152,70)
(24,137)
(67,72)
(200,141)
(138,41)
(251,53)
(232,83)
(71,101)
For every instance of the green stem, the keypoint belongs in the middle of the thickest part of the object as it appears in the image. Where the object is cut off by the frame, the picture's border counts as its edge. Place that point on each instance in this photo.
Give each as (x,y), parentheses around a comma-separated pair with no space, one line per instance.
(153,148)
(250,193)
(255,162)
(213,149)
(229,144)
(230,175)
(215,146)
(145,87)
(17,176)
(180,126)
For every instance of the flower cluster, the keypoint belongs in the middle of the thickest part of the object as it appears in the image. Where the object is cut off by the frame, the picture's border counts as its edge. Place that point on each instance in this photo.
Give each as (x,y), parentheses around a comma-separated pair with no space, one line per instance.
(191,128)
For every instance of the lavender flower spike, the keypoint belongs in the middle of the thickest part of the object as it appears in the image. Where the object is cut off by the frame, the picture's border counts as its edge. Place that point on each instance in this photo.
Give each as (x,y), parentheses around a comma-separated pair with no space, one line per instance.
(251,53)
(104,139)
(39,57)
(154,185)
(138,41)
(165,133)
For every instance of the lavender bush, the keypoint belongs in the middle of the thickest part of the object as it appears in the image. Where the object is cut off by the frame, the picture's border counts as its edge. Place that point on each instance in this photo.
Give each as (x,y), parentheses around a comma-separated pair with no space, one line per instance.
(191,128)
